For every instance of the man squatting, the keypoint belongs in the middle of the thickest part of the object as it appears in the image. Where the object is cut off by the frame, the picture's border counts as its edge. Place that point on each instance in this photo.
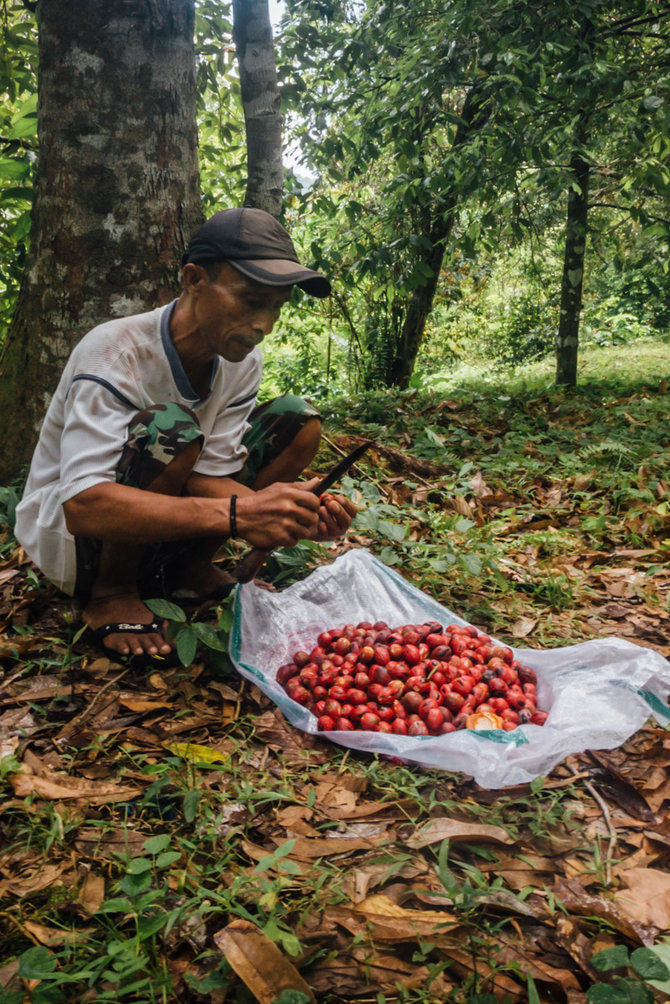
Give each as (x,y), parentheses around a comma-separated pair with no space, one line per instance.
(153,451)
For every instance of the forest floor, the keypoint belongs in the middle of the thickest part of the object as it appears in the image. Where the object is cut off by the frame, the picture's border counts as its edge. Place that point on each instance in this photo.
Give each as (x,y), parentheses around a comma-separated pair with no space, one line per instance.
(171,837)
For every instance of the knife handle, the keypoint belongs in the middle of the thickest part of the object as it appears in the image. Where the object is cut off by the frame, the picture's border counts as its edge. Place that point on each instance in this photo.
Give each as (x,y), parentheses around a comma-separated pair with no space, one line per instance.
(251,563)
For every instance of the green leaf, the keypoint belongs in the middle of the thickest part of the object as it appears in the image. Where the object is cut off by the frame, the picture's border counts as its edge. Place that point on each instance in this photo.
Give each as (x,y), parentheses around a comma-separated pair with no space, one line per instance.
(26,126)
(291,996)
(154,845)
(472,563)
(209,636)
(118,905)
(36,963)
(146,926)
(133,885)
(187,644)
(138,866)
(533,996)
(662,949)
(610,958)
(167,859)
(647,964)
(164,608)
(13,170)
(191,800)
(284,849)
(226,619)
(603,993)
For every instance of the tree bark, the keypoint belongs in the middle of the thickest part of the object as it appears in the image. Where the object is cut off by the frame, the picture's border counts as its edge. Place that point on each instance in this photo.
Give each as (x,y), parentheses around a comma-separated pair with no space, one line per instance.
(437,227)
(117,189)
(252,33)
(567,338)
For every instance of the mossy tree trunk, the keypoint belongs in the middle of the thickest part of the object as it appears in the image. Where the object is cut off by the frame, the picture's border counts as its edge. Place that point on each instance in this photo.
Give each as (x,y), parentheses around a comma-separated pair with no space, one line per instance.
(117,190)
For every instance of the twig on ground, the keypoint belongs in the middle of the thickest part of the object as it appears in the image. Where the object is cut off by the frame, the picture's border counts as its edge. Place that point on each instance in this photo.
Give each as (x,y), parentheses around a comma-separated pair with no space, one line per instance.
(604,808)
(17,923)
(88,710)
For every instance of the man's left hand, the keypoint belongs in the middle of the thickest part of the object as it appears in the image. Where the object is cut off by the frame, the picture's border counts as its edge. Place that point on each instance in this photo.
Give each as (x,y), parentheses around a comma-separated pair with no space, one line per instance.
(335,515)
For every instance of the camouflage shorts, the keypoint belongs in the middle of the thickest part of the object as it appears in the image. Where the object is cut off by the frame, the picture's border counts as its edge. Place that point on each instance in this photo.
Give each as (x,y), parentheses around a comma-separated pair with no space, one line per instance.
(156,436)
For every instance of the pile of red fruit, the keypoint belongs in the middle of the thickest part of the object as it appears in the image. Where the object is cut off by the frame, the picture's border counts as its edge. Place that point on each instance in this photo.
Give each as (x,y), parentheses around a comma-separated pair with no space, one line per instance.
(414,680)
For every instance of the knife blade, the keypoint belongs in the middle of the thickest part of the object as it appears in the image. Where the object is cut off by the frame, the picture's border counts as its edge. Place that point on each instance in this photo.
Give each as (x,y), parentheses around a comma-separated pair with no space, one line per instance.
(254,560)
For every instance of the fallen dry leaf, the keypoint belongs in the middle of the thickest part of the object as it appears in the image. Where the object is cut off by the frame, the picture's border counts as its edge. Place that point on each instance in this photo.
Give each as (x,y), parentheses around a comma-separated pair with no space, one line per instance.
(108,844)
(645,897)
(575,900)
(62,786)
(380,919)
(443,828)
(8,746)
(523,627)
(258,962)
(29,880)
(9,975)
(307,848)
(52,936)
(91,893)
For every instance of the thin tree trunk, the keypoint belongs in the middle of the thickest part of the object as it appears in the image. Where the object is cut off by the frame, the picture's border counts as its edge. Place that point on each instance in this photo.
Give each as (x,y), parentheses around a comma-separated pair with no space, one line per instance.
(567,338)
(419,307)
(117,191)
(261,101)
(437,227)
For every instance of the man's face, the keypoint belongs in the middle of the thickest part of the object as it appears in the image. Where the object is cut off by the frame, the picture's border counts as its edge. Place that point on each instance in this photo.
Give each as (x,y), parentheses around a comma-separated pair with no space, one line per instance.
(235,313)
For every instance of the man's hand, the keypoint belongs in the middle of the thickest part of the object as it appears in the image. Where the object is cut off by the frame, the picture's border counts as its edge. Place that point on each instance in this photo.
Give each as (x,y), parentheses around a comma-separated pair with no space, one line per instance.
(279,515)
(335,515)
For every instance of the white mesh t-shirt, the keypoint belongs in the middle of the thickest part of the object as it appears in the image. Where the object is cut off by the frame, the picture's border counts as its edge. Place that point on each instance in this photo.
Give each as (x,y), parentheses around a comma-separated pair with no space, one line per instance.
(116,370)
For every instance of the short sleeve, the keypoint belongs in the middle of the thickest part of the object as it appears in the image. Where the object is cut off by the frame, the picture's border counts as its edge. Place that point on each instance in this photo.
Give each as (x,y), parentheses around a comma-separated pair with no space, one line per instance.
(94,432)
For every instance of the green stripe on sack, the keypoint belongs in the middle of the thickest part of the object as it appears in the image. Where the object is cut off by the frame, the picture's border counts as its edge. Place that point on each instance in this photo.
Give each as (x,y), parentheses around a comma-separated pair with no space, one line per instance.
(655,703)
(516,737)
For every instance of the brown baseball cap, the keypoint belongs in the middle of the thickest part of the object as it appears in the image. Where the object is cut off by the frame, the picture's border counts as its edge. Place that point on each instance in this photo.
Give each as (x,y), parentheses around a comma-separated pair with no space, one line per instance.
(254,243)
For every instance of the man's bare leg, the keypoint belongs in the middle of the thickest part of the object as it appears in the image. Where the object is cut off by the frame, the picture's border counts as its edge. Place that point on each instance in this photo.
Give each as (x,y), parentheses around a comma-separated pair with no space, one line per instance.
(114,597)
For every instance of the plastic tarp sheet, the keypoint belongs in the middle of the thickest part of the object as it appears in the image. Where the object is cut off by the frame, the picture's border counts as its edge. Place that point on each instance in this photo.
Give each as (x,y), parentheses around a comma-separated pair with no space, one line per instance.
(598,693)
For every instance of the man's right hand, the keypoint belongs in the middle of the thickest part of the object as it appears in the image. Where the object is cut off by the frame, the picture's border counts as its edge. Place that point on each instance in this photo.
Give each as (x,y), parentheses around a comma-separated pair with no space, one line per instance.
(279,515)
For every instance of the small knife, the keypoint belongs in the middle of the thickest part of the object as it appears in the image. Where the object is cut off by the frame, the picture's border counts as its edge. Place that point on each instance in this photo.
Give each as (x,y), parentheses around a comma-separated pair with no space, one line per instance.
(252,562)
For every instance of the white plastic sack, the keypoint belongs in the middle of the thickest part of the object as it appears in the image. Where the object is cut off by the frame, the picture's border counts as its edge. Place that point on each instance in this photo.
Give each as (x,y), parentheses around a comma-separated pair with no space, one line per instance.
(598,693)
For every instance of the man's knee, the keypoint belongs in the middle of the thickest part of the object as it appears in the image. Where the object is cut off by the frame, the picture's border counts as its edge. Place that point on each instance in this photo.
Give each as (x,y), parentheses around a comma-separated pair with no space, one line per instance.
(286,425)
(157,437)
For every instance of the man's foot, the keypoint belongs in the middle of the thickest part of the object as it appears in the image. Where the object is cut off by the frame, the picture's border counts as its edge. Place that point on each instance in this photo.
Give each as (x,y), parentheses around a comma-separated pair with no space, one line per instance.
(125,608)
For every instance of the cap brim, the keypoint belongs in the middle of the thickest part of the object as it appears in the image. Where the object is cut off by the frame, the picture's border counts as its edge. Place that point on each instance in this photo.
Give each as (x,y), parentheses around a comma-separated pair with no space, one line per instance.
(281,272)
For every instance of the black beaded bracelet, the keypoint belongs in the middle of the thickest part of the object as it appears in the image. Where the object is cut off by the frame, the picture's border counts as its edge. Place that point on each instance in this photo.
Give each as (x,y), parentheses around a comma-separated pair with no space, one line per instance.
(233,515)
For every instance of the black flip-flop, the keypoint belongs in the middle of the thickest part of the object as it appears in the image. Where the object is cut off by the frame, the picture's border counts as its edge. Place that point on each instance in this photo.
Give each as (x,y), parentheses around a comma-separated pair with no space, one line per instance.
(143,660)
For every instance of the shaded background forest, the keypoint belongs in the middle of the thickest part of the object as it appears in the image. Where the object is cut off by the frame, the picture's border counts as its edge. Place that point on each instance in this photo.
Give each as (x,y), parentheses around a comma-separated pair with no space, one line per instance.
(486,184)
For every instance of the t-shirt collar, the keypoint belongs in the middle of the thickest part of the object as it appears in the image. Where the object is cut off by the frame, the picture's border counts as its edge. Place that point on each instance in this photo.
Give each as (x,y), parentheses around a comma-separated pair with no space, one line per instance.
(178,372)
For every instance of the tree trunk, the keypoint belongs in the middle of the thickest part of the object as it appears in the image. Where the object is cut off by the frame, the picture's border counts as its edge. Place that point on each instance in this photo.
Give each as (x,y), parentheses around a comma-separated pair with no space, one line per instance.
(117,190)
(567,339)
(437,227)
(419,307)
(261,101)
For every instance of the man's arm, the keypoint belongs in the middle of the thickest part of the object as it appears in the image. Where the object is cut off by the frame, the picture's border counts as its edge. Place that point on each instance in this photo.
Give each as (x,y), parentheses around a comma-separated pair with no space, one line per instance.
(335,511)
(276,516)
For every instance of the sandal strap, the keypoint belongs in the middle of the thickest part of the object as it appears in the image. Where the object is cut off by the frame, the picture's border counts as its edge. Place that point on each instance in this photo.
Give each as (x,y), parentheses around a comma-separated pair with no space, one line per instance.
(122,627)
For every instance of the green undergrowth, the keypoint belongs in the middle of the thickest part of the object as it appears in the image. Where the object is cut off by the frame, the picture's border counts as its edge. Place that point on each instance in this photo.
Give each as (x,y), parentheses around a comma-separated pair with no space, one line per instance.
(571,473)
(525,478)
